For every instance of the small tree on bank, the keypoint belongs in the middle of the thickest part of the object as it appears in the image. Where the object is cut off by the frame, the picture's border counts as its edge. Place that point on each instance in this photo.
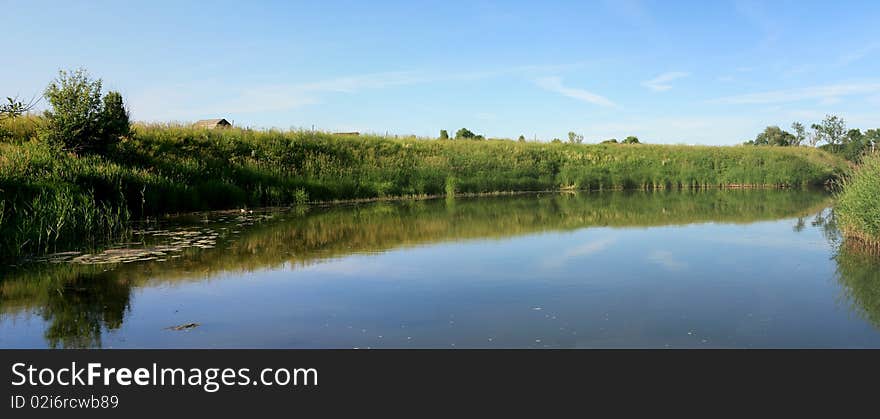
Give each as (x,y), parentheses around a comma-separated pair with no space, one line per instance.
(444,135)
(833,130)
(115,121)
(800,134)
(80,121)
(774,135)
(464,134)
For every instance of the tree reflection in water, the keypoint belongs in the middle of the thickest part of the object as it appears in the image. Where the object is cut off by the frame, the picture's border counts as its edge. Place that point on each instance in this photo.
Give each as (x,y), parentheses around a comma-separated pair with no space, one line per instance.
(857,268)
(80,308)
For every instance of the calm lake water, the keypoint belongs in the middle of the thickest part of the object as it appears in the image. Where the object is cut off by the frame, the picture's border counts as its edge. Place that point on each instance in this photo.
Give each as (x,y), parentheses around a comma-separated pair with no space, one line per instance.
(704,269)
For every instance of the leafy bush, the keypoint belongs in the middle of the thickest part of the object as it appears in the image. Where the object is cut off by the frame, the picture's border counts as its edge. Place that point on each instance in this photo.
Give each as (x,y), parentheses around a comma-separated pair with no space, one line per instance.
(80,121)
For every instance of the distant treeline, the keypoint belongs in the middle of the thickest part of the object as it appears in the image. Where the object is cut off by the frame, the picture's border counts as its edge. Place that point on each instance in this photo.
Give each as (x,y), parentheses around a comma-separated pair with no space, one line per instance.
(75,175)
(830,135)
(573,138)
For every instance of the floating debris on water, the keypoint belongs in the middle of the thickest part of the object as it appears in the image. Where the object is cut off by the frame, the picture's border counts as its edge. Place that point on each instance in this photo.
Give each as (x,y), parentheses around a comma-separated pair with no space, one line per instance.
(186,326)
(153,244)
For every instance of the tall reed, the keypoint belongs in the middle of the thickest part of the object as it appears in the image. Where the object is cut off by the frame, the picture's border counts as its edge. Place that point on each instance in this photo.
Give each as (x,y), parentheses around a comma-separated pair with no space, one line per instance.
(858,204)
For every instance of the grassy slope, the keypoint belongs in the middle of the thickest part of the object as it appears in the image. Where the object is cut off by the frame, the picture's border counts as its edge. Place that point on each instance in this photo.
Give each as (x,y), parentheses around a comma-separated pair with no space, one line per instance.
(858,203)
(51,199)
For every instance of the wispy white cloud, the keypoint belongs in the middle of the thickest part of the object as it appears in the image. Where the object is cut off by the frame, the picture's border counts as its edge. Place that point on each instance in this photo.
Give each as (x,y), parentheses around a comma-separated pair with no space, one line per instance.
(755,13)
(661,83)
(355,83)
(554,84)
(727,78)
(858,54)
(822,93)
(208,98)
(830,100)
(632,12)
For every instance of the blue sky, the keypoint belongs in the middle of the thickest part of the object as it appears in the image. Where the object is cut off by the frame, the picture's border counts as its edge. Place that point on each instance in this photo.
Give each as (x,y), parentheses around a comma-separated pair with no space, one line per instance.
(693,72)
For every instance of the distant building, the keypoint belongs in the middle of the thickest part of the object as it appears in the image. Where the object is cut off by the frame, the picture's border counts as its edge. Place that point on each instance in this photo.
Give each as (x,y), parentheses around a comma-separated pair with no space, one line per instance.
(213,123)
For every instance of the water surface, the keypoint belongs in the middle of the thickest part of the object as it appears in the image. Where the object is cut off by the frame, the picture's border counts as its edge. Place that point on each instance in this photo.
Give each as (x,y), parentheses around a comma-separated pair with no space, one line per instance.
(707,269)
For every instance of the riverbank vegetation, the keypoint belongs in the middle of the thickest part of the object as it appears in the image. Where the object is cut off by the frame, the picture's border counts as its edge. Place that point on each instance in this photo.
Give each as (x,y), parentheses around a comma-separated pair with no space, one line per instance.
(79,173)
(830,135)
(858,204)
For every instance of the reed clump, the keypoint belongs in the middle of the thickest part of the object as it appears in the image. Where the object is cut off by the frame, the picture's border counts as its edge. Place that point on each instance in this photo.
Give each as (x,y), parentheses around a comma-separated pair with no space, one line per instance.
(858,205)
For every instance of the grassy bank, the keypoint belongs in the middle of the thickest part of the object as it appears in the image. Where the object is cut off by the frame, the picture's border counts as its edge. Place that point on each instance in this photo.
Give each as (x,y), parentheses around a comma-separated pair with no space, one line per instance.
(858,204)
(51,199)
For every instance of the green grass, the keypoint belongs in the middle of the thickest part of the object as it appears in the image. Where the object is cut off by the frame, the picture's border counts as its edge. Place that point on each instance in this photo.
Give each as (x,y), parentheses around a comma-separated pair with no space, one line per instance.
(52,200)
(858,204)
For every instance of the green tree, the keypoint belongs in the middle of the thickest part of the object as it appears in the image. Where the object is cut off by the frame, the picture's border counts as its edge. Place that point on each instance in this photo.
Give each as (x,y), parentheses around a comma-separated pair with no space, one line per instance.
(632,139)
(115,121)
(464,134)
(521,139)
(855,144)
(815,137)
(556,141)
(833,131)
(872,138)
(774,135)
(800,133)
(575,138)
(75,119)
(444,135)
(80,120)
(610,141)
